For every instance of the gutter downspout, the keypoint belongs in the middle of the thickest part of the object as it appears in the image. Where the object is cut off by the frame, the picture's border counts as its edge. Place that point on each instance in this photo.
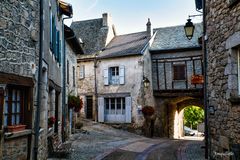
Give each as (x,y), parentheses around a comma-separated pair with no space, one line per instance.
(64,108)
(39,93)
(95,89)
(205,79)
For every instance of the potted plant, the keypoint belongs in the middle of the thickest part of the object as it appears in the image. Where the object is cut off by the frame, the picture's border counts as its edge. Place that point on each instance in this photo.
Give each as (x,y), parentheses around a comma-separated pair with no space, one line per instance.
(148,111)
(75,102)
(51,121)
(197,79)
(16,128)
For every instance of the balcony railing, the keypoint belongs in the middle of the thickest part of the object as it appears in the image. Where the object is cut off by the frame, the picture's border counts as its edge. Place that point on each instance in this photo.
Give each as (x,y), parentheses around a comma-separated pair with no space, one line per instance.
(163,74)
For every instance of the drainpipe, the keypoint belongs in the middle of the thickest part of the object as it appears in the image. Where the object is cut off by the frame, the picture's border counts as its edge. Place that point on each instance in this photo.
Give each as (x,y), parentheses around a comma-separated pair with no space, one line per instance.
(64,108)
(95,89)
(205,78)
(39,93)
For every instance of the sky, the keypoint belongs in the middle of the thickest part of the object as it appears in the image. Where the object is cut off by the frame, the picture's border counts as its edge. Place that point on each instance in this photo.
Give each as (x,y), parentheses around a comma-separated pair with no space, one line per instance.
(131,16)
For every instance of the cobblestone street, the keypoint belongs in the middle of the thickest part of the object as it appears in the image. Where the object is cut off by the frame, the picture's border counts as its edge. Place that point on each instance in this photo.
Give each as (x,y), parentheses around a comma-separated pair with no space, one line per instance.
(99,141)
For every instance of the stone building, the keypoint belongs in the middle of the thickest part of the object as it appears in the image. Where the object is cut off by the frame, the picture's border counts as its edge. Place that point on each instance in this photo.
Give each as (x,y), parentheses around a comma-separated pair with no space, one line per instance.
(175,60)
(19,67)
(223,31)
(111,87)
(73,48)
(120,77)
(95,35)
(19,50)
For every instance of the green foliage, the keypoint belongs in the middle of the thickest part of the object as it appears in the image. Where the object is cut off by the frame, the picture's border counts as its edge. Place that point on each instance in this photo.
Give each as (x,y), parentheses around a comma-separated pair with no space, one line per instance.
(193,115)
(75,102)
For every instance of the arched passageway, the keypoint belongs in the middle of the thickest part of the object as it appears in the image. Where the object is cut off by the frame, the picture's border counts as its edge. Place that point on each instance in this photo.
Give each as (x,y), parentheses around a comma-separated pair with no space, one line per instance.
(175,117)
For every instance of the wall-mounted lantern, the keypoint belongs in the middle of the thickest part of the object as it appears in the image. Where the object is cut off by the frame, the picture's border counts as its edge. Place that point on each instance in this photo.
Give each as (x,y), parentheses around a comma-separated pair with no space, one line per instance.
(189,29)
(146,82)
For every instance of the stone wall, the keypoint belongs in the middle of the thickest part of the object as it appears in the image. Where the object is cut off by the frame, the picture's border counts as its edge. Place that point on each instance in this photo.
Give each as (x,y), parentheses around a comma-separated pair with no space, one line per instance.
(16,149)
(18,36)
(223,31)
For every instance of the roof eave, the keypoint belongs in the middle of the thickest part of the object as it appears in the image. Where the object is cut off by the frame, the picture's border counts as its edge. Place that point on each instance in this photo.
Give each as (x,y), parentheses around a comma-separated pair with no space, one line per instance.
(156,51)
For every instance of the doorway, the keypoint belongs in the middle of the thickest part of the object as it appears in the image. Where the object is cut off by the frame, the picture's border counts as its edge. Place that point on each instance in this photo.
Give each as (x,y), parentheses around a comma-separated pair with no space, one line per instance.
(89,107)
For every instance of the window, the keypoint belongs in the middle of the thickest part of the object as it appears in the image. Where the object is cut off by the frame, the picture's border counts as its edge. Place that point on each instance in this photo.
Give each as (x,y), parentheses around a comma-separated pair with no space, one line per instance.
(115,105)
(67,72)
(179,72)
(55,41)
(81,71)
(73,76)
(114,75)
(15,99)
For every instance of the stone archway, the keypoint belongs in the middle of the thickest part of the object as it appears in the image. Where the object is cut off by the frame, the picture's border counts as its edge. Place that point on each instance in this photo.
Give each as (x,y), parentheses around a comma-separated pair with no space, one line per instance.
(176,114)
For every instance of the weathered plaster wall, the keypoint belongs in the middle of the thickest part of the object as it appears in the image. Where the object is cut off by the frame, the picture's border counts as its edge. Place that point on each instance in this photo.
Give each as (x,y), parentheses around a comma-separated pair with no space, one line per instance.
(72,59)
(223,30)
(133,81)
(86,85)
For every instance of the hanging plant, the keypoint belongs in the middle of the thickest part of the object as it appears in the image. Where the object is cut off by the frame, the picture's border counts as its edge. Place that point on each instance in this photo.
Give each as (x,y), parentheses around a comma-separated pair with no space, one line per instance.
(148,111)
(75,103)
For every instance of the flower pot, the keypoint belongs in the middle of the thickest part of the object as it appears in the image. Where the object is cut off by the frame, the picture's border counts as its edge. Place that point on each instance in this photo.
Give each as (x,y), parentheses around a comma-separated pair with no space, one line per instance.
(197,79)
(16,128)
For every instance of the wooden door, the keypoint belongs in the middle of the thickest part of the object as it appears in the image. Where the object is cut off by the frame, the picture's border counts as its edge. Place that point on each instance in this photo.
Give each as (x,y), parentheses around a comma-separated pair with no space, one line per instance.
(89,107)
(1,121)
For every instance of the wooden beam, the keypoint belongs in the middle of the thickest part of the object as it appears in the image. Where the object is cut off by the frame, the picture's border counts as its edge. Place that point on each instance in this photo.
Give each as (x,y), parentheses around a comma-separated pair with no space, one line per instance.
(6,78)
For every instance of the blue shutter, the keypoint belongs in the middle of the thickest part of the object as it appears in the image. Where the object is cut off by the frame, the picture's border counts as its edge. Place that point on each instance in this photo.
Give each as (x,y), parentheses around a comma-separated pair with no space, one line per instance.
(54,37)
(60,50)
(51,28)
(57,46)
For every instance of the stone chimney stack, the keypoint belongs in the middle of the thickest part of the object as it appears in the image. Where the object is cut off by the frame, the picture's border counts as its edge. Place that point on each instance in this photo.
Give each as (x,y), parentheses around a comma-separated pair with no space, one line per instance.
(149,29)
(107,19)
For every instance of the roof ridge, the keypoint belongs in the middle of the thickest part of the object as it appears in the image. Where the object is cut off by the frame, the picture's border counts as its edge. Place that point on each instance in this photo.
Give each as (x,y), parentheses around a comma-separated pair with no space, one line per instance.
(86,20)
(181,25)
(131,33)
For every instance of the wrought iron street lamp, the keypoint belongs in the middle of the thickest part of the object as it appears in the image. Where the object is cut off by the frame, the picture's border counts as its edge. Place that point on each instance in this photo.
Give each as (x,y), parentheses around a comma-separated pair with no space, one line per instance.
(189,29)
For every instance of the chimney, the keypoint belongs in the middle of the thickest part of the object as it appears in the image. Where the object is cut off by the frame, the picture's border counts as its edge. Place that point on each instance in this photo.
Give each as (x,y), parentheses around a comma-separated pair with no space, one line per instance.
(107,19)
(149,30)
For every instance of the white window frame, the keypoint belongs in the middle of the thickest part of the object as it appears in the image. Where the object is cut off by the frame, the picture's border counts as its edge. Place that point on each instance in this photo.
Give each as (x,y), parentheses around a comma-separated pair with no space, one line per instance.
(114,79)
(81,72)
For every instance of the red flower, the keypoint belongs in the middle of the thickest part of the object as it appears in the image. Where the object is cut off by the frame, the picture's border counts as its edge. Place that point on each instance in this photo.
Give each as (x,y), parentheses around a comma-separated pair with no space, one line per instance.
(51,120)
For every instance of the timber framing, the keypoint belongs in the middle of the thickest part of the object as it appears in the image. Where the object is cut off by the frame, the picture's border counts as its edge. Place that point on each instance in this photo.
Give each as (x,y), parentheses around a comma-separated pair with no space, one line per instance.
(6,78)
(179,92)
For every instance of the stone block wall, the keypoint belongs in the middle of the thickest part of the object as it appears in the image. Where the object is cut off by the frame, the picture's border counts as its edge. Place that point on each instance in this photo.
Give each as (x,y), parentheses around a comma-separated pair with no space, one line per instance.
(223,31)
(19,26)
(16,149)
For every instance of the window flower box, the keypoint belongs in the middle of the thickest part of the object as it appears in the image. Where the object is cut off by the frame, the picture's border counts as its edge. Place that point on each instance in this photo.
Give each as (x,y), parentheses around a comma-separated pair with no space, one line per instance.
(197,79)
(16,128)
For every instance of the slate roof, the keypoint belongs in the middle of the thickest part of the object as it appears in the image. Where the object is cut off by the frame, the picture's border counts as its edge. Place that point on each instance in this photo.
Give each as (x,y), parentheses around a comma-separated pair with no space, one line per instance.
(170,38)
(90,31)
(125,45)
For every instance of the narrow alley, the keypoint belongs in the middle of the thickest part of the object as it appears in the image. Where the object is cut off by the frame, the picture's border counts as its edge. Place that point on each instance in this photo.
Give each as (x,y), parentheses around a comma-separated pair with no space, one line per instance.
(99,141)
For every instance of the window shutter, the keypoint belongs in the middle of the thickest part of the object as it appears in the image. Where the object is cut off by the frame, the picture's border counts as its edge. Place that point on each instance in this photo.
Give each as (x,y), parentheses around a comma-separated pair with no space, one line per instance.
(128,109)
(57,46)
(100,109)
(82,72)
(53,35)
(60,50)
(122,74)
(105,74)
(51,28)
